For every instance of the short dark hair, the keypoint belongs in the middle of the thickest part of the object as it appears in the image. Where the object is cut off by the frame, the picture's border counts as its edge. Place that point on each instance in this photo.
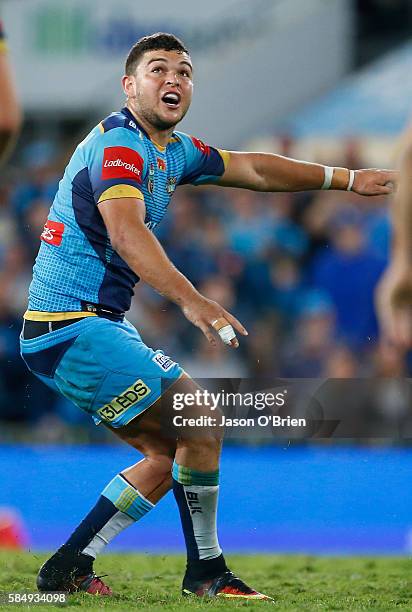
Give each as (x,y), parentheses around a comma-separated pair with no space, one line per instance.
(154,42)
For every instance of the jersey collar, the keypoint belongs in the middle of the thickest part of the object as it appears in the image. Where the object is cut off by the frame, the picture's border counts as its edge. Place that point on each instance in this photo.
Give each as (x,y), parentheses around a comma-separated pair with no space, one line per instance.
(135,125)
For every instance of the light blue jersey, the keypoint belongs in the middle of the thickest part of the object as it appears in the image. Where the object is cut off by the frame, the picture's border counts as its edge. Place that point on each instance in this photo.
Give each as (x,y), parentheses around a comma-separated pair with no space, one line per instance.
(76,265)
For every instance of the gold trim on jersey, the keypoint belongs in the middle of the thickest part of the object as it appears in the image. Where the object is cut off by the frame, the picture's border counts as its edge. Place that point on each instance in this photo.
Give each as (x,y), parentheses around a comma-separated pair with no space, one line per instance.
(101,127)
(121,191)
(225,155)
(159,147)
(37,315)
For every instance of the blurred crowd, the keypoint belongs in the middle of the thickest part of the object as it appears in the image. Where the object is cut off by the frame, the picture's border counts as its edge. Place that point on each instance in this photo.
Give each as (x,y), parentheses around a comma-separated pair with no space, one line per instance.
(299,271)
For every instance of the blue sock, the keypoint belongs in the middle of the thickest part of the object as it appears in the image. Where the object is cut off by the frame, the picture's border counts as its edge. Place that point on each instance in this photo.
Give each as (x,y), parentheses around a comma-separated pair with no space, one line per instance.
(196,494)
(119,506)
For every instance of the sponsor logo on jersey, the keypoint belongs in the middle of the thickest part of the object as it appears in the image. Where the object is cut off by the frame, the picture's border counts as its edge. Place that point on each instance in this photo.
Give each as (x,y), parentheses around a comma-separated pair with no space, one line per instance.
(201,146)
(171,185)
(150,182)
(53,232)
(133,395)
(161,164)
(163,361)
(122,162)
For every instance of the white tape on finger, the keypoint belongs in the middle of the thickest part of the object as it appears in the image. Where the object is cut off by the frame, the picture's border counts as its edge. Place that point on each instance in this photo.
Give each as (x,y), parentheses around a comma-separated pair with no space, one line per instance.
(227,334)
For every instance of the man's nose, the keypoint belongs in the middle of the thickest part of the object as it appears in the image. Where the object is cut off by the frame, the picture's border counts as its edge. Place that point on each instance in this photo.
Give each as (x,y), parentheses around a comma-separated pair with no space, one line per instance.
(173,79)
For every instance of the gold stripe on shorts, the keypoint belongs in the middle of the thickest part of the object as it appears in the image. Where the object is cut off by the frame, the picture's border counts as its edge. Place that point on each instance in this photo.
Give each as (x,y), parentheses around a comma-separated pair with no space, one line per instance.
(37,315)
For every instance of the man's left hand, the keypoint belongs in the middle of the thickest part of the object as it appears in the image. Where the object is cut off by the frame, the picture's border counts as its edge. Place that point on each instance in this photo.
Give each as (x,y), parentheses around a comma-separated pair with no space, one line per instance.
(373,182)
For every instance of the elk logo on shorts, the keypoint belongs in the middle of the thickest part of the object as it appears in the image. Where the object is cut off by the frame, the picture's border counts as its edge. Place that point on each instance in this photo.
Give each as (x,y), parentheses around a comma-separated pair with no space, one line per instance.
(136,392)
(122,162)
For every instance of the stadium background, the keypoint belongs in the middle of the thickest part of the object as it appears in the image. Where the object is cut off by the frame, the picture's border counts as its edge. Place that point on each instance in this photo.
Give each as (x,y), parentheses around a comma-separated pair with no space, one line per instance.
(322,80)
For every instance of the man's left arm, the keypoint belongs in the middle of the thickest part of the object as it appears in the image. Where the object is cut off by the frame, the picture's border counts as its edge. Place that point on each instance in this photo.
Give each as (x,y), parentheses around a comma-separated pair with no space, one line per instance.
(270,172)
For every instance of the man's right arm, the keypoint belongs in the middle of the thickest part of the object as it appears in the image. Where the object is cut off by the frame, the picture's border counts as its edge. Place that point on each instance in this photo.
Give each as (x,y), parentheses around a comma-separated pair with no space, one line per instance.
(140,249)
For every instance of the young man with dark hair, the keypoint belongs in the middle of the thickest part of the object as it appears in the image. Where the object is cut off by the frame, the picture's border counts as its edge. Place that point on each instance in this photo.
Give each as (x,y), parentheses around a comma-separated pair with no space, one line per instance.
(96,244)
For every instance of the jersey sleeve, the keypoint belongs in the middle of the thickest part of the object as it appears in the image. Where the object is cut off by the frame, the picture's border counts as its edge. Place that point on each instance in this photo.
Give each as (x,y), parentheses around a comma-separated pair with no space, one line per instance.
(117,165)
(203,163)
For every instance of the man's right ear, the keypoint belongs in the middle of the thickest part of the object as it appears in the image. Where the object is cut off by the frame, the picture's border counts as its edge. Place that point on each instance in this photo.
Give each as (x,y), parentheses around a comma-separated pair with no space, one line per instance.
(129,86)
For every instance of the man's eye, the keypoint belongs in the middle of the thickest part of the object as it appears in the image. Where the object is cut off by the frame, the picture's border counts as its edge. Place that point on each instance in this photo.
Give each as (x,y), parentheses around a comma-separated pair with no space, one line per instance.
(185,73)
(157,69)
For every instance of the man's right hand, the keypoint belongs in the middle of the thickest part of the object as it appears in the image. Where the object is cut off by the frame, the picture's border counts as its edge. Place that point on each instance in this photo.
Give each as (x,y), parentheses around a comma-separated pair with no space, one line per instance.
(207,315)
(394,304)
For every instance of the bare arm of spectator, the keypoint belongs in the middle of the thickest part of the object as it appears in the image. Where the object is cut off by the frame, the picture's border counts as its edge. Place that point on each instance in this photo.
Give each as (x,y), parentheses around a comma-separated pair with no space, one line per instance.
(10,114)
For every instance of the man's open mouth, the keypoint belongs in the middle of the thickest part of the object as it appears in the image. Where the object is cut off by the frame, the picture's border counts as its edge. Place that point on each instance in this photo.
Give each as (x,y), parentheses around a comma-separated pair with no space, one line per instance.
(171,99)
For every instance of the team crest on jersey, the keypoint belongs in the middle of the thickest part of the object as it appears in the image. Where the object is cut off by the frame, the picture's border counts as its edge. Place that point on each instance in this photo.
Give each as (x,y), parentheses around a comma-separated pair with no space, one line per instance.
(150,182)
(122,162)
(53,232)
(201,146)
(171,185)
(161,164)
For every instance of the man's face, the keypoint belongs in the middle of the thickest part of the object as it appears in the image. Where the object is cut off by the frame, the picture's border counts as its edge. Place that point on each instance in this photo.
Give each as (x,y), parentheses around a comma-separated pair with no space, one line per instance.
(161,88)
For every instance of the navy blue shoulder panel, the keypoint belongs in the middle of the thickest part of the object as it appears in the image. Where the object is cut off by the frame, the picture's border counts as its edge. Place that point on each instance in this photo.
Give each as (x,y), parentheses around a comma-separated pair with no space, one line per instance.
(123,119)
(116,120)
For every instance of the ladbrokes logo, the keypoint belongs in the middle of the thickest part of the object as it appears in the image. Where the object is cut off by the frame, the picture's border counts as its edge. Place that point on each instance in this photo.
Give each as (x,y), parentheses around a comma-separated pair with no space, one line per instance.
(136,392)
(53,232)
(122,162)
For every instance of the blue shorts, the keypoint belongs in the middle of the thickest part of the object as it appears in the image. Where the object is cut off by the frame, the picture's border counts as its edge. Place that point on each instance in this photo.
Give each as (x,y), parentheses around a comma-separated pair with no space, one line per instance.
(102,366)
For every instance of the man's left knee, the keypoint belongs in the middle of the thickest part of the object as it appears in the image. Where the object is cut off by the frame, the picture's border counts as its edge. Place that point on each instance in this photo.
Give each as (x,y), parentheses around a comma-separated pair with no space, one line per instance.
(161,463)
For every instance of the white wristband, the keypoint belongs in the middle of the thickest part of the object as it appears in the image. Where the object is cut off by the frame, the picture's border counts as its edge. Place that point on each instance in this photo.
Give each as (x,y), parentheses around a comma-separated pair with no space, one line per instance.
(351,180)
(328,177)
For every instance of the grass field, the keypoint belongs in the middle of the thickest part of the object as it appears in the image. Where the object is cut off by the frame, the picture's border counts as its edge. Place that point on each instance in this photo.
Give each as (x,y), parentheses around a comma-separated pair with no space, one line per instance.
(296,582)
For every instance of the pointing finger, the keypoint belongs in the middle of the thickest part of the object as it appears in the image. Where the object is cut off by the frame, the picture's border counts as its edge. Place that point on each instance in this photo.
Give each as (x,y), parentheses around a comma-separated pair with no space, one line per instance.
(236,323)
(385,189)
